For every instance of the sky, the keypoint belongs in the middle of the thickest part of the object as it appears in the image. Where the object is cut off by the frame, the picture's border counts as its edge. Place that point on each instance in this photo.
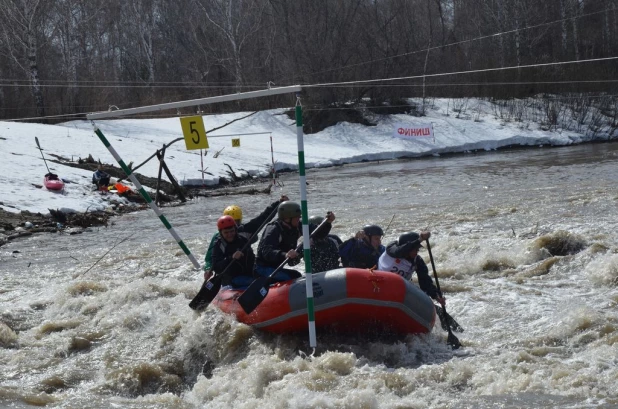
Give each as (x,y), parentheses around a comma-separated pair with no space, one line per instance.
(22,168)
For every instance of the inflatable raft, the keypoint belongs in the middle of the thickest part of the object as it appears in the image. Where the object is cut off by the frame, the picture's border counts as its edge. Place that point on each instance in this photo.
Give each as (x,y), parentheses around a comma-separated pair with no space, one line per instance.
(346,300)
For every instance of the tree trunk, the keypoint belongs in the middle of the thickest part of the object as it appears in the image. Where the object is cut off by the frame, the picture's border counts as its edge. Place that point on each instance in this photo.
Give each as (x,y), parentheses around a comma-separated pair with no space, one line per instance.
(21,20)
(575,32)
(517,40)
(35,83)
(563,27)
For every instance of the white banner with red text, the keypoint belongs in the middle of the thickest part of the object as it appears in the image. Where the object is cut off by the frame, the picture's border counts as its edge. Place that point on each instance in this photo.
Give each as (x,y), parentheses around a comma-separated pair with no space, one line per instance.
(409,131)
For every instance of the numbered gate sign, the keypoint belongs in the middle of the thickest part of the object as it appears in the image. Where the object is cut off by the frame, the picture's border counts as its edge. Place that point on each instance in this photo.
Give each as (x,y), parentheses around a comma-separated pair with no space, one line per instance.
(194,132)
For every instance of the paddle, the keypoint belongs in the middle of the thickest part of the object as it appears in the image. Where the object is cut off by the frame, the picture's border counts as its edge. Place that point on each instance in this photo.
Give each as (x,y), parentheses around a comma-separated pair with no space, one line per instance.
(444,318)
(211,287)
(258,289)
(451,339)
(37,144)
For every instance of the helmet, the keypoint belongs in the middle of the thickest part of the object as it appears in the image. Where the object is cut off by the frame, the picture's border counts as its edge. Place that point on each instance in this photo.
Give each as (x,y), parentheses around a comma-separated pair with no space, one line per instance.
(225,222)
(316,220)
(234,211)
(373,230)
(288,210)
(409,238)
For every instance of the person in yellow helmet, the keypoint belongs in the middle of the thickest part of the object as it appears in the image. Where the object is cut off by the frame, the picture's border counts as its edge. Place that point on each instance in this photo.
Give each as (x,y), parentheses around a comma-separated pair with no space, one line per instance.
(235,212)
(245,230)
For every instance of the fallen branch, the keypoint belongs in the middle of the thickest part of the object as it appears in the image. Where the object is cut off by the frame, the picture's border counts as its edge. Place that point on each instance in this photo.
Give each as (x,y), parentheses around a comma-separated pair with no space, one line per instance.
(232,174)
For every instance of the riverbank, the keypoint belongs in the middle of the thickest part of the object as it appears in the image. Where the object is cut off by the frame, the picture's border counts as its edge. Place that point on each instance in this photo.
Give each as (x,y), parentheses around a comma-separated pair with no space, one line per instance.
(25,223)
(231,166)
(15,225)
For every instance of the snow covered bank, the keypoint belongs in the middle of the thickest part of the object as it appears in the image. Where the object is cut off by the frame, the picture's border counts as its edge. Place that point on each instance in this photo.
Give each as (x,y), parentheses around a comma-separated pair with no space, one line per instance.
(466,125)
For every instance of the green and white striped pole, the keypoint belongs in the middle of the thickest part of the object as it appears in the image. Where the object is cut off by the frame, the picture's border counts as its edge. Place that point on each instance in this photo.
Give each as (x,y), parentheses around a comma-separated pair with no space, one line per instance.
(146,196)
(305,218)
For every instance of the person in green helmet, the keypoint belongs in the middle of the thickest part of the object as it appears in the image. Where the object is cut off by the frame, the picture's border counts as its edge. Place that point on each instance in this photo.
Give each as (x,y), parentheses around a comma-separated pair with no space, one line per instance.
(279,242)
(244,230)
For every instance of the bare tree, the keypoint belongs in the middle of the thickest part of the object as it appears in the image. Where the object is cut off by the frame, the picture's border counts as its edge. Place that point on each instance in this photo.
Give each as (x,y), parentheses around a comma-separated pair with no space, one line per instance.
(22,29)
(74,40)
(233,24)
(51,49)
(141,27)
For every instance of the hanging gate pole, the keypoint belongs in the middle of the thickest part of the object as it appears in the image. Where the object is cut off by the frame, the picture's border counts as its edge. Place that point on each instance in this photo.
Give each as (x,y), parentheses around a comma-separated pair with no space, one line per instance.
(202,159)
(272,157)
(303,204)
(146,196)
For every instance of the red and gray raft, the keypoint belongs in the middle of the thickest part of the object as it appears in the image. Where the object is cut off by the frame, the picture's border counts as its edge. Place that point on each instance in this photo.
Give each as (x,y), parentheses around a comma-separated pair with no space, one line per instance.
(346,300)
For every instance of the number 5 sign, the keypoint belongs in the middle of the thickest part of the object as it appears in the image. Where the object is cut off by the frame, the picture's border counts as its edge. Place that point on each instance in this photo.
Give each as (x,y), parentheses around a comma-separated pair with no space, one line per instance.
(194,132)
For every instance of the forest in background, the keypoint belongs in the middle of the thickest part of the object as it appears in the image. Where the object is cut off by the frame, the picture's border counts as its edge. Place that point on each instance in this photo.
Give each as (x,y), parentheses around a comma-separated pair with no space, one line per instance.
(61,57)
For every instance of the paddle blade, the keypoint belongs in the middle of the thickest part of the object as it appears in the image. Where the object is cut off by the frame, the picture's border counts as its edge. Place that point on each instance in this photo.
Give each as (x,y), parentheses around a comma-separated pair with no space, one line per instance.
(454,324)
(453,341)
(254,294)
(207,293)
(446,320)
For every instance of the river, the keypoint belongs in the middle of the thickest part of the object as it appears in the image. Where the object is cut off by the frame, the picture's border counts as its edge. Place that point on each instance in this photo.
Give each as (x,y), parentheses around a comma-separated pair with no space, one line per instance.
(525,244)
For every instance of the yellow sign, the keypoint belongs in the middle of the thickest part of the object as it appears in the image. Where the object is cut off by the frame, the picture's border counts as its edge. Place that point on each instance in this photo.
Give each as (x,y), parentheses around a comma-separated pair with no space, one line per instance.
(194,132)
(236,143)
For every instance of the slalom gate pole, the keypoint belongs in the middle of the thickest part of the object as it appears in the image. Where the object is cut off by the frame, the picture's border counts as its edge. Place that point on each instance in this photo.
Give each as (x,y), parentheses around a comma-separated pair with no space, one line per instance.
(145,195)
(272,158)
(305,218)
(202,159)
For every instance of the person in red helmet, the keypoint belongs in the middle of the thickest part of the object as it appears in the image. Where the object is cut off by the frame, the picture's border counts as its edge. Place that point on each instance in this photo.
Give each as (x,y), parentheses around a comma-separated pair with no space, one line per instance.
(227,252)
(244,229)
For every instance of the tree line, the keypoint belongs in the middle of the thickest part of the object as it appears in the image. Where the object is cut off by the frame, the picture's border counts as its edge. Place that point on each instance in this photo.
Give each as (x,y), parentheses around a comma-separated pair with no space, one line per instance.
(63,57)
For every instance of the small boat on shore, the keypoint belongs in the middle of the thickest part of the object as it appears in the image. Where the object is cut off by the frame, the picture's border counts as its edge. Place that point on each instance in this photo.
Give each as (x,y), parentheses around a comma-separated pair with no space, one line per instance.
(346,301)
(52,182)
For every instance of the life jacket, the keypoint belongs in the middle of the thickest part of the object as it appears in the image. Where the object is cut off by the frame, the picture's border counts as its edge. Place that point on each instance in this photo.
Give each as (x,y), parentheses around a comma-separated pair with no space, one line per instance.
(401,266)
(120,188)
(278,239)
(357,253)
(241,267)
(324,255)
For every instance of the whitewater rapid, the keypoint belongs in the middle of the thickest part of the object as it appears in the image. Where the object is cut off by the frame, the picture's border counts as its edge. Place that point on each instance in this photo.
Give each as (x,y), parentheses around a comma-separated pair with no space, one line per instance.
(525,244)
